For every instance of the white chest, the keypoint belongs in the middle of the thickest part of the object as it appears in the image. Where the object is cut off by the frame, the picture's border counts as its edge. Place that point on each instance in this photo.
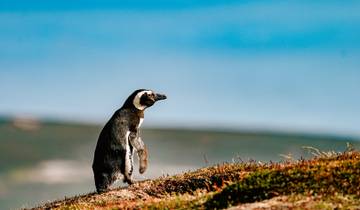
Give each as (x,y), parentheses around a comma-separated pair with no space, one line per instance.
(140,122)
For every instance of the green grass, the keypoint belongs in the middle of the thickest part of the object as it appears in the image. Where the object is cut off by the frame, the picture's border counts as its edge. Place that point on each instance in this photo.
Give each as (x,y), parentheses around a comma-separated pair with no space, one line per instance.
(319,176)
(324,182)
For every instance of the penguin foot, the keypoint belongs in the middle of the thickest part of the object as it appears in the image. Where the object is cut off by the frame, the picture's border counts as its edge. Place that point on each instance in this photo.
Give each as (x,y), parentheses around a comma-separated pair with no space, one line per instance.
(129,181)
(102,190)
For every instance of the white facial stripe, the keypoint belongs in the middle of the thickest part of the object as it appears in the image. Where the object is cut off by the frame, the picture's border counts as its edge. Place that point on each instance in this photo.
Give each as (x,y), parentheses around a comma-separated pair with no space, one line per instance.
(141,121)
(137,98)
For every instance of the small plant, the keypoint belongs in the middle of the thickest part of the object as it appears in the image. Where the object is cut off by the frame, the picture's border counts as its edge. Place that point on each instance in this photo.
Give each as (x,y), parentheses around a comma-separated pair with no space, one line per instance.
(320,154)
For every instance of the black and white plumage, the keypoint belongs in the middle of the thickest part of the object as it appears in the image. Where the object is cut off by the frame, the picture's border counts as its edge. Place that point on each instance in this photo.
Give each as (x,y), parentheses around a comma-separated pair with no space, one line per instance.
(118,139)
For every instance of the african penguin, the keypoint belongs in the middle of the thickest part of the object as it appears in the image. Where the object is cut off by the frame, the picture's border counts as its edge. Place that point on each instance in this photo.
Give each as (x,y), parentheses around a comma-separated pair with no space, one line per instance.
(119,137)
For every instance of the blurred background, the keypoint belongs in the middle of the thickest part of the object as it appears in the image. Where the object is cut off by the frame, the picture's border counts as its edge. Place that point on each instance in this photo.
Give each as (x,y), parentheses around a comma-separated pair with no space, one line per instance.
(244,80)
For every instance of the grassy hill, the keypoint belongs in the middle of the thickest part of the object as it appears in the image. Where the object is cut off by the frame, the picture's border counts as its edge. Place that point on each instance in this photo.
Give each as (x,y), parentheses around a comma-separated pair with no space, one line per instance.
(329,180)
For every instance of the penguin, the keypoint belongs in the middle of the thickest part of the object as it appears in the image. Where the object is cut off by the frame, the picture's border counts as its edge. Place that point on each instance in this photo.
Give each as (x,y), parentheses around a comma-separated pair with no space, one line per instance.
(118,140)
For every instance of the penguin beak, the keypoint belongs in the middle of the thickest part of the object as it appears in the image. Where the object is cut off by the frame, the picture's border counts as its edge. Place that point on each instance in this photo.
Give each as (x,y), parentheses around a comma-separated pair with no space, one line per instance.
(159,97)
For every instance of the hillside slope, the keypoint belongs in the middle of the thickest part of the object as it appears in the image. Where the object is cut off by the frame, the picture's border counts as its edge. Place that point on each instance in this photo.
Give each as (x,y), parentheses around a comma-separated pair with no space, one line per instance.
(329,180)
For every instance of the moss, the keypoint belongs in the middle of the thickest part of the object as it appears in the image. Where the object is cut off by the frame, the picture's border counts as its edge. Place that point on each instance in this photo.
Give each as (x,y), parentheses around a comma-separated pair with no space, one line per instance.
(319,178)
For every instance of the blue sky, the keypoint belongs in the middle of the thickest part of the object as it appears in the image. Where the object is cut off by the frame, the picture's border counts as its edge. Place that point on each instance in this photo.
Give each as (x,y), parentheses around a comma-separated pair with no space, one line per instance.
(286,65)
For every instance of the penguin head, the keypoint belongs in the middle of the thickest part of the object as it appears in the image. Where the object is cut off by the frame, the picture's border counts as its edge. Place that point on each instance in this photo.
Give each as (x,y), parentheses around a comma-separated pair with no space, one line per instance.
(142,98)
